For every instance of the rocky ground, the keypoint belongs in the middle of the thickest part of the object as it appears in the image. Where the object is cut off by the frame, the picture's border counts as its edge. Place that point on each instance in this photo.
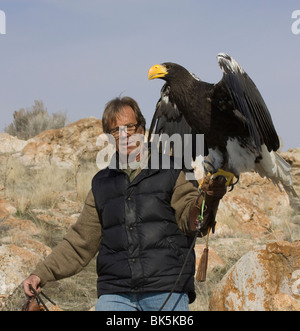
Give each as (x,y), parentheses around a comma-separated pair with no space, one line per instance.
(254,260)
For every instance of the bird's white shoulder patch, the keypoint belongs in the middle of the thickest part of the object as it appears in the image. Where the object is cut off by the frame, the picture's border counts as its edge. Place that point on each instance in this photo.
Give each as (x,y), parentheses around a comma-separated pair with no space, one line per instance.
(194,76)
(165,98)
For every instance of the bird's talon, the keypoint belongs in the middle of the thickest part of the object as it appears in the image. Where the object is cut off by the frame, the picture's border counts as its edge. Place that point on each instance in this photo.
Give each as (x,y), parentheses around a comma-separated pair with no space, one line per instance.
(229,176)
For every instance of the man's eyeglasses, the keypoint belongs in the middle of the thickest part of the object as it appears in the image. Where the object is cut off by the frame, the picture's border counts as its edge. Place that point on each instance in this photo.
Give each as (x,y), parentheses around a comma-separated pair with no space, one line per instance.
(129,129)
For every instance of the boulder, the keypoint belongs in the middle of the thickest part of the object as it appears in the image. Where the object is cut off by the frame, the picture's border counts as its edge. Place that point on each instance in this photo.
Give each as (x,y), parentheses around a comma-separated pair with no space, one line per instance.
(11,145)
(265,279)
(15,265)
(6,209)
(19,251)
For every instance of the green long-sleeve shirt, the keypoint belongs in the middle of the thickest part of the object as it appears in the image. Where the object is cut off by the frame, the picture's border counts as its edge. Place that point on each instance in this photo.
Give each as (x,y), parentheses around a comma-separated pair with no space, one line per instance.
(82,241)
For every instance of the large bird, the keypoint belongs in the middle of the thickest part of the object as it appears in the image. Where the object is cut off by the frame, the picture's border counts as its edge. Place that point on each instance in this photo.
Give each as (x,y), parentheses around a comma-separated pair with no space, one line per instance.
(238,129)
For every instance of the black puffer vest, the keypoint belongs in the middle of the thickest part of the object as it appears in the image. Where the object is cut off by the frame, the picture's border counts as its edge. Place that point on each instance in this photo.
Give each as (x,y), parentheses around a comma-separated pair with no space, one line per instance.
(142,248)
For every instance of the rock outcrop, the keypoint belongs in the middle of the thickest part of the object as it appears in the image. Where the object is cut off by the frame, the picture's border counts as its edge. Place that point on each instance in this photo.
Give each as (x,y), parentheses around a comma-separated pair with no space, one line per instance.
(265,279)
(61,147)
(64,146)
(11,145)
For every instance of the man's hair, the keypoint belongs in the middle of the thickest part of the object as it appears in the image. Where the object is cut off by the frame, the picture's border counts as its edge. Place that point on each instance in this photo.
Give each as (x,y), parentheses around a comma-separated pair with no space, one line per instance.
(115,106)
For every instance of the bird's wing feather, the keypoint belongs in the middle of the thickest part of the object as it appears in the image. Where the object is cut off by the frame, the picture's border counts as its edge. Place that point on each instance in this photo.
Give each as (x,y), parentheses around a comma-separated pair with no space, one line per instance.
(169,120)
(166,115)
(249,102)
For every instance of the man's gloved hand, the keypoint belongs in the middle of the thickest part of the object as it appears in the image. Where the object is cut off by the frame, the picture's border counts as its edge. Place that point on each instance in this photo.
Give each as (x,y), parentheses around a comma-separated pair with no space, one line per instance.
(213,191)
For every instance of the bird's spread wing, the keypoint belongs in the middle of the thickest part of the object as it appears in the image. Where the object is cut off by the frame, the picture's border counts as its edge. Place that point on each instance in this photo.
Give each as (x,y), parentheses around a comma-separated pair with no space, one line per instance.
(249,102)
(169,120)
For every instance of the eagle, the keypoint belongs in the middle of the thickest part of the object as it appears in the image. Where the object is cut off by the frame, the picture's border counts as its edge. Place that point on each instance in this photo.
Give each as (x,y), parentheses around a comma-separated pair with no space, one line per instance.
(238,130)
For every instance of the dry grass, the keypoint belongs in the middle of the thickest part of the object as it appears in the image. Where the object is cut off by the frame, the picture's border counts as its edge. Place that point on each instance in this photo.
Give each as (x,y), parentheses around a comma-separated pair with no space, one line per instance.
(41,188)
(77,293)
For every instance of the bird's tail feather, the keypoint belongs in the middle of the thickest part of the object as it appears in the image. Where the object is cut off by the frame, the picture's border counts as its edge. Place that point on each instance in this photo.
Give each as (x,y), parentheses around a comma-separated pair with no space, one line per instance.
(274,167)
(282,171)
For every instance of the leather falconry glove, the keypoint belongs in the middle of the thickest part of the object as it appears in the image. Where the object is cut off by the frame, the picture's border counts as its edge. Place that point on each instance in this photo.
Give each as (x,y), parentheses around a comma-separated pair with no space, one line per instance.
(212,190)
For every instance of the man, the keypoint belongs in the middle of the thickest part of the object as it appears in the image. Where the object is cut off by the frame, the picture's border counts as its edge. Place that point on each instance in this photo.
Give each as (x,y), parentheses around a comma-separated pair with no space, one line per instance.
(141,221)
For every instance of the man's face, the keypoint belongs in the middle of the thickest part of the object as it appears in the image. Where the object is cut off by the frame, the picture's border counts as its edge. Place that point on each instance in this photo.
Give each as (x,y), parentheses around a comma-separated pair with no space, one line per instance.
(126,118)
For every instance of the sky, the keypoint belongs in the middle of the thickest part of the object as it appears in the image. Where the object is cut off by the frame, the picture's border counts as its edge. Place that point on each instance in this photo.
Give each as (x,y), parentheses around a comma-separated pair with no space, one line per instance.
(76,55)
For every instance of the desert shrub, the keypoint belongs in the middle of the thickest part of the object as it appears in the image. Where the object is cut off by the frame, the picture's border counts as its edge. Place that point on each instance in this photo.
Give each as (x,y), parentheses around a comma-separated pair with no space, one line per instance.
(30,122)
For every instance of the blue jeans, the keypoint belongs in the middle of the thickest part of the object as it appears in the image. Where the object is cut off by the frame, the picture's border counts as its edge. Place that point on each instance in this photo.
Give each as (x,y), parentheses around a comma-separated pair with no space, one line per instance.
(142,302)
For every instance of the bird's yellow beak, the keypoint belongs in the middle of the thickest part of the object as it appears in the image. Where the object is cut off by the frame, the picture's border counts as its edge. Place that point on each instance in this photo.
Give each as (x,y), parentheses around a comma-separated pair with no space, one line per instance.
(157,71)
